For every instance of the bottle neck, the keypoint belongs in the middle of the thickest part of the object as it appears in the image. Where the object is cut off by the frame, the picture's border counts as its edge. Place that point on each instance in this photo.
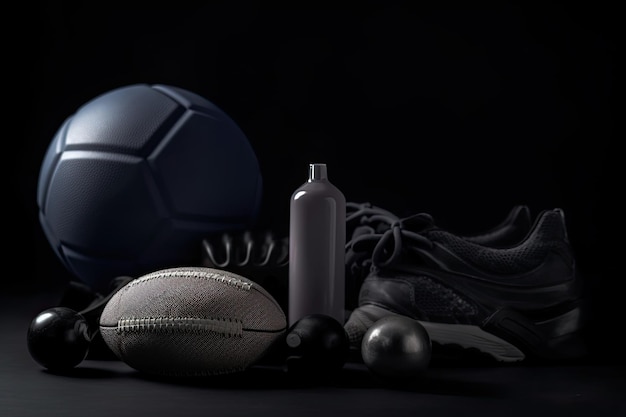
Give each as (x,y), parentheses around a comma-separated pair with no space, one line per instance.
(317,172)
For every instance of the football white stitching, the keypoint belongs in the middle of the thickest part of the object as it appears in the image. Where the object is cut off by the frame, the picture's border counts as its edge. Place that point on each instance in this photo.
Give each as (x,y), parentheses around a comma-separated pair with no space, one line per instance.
(190,273)
(223,326)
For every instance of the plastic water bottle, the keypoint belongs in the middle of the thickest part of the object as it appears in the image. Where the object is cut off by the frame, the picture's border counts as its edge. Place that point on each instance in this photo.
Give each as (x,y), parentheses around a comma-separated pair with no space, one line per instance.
(317,238)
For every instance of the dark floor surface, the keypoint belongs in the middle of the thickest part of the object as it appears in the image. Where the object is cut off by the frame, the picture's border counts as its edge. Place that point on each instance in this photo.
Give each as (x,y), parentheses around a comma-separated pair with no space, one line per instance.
(112,389)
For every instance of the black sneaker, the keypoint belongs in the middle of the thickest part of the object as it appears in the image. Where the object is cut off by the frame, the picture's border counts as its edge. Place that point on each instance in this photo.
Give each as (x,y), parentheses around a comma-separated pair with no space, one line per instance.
(514,300)
(365,219)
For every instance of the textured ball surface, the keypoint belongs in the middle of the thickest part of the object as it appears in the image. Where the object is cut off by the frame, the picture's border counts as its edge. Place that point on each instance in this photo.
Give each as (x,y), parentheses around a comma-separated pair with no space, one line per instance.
(396,347)
(191,321)
(134,179)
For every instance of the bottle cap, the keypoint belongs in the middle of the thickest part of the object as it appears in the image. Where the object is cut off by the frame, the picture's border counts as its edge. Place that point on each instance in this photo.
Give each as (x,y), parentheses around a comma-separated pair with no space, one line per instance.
(317,172)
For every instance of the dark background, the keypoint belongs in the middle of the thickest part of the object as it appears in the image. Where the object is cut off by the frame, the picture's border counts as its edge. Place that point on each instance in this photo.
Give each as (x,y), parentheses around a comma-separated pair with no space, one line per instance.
(461,111)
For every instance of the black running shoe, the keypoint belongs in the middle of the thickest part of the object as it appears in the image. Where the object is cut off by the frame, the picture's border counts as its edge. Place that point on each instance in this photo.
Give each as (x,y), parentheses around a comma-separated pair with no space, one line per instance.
(366,219)
(512,300)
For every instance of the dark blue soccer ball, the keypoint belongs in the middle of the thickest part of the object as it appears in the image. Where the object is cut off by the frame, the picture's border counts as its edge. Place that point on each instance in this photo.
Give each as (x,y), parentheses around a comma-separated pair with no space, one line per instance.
(136,177)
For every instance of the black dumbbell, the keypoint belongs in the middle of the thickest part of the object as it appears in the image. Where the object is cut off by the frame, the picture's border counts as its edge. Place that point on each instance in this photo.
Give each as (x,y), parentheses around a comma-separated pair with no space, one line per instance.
(59,338)
(316,345)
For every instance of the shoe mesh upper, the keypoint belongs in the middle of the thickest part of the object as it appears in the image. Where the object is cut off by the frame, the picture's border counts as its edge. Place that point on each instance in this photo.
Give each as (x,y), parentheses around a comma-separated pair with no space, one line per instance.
(437,302)
(548,235)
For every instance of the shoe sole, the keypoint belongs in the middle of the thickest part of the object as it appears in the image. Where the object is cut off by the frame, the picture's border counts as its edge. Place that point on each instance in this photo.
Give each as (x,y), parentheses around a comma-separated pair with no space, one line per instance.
(473,337)
(539,338)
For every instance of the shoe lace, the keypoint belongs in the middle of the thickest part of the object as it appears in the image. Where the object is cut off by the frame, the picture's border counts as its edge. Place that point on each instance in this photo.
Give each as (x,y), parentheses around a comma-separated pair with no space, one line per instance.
(386,247)
(366,213)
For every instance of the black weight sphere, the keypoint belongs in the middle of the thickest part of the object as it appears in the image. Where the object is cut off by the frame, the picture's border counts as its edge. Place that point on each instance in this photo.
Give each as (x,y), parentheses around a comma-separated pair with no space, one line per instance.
(58,338)
(316,344)
(396,347)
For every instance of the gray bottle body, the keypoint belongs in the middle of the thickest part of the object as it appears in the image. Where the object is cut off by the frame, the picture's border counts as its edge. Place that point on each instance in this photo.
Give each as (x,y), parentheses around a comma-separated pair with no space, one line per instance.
(317,238)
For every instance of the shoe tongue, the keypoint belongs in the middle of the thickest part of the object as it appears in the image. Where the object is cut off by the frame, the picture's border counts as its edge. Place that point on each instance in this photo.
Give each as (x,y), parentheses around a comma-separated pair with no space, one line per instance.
(418,222)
